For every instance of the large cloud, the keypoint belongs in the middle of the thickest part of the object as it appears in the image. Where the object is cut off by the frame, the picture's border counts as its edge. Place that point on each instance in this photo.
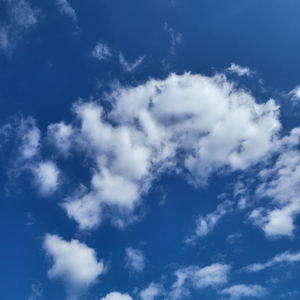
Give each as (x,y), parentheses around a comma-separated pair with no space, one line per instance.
(185,123)
(73,262)
(281,185)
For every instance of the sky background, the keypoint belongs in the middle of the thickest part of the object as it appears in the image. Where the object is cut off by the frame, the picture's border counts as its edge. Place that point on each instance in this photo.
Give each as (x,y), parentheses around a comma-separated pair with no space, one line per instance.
(149,149)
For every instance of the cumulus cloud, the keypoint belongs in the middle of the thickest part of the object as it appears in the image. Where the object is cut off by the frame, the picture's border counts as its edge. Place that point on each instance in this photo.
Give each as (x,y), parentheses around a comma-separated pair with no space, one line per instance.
(22,18)
(116,296)
(286,257)
(74,263)
(186,123)
(240,71)
(101,51)
(281,185)
(65,8)
(46,175)
(135,260)
(245,291)
(295,93)
(129,67)
(205,225)
(152,291)
(214,276)
(175,38)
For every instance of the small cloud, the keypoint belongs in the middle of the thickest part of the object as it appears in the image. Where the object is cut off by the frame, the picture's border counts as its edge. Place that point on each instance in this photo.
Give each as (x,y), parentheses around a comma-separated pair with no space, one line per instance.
(30,219)
(152,291)
(240,71)
(36,291)
(101,52)
(175,38)
(233,238)
(245,291)
(74,263)
(46,175)
(295,93)
(65,8)
(129,67)
(135,260)
(289,294)
(116,296)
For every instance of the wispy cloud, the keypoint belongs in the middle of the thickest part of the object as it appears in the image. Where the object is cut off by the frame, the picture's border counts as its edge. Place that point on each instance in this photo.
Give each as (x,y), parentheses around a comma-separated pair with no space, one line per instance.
(22,18)
(240,71)
(175,38)
(135,260)
(286,257)
(65,8)
(129,67)
(101,52)
(245,291)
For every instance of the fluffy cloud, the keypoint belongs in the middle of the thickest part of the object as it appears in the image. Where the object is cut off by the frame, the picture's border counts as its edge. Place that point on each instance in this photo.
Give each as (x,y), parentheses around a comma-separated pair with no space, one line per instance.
(245,291)
(22,19)
(46,175)
(240,71)
(101,51)
(281,185)
(73,262)
(135,260)
(129,67)
(286,257)
(205,225)
(65,8)
(116,296)
(152,291)
(214,275)
(186,123)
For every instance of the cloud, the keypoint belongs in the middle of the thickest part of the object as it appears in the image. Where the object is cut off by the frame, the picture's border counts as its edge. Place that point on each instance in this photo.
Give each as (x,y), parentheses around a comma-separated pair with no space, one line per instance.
(240,71)
(152,291)
(296,93)
(233,238)
(204,225)
(214,276)
(46,175)
(175,38)
(60,135)
(187,123)
(22,18)
(65,8)
(74,263)
(281,185)
(129,67)
(101,51)
(286,257)
(135,260)
(36,291)
(116,296)
(245,291)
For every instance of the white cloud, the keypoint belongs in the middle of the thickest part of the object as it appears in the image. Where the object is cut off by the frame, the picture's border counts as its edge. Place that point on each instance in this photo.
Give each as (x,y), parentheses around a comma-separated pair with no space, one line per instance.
(101,51)
(46,175)
(281,185)
(135,260)
(60,135)
(205,225)
(22,19)
(245,291)
(65,8)
(240,71)
(152,291)
(129,67)
(214,276)
(74,263)
(116,296)
(175,38)
(213,126)
(295,93)
(286,257)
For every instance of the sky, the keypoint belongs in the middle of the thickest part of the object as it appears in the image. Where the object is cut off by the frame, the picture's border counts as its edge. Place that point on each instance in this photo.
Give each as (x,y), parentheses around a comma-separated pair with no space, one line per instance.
(149,149)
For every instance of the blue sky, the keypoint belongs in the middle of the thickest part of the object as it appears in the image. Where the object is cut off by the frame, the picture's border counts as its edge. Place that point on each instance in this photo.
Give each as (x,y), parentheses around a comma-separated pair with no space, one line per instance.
(149,149)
